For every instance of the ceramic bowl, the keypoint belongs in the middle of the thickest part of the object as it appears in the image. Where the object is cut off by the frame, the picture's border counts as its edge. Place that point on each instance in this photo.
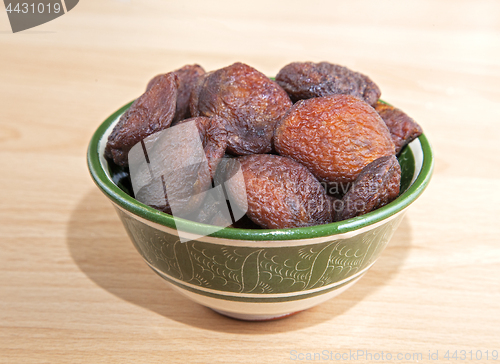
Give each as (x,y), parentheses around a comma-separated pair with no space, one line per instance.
(259,274)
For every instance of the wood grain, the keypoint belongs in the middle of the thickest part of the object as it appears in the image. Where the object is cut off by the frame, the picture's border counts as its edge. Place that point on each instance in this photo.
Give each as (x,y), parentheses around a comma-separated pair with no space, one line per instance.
(74,290)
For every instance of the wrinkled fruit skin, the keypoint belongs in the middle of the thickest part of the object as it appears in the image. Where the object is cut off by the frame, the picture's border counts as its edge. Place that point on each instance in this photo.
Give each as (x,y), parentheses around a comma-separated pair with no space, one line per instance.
(187,79)
(335,137)
(213,137)
(195,94)
(376,186)
(250,103)
(304,80)
(403,129)
(208,213)
(152,112)
(282,193)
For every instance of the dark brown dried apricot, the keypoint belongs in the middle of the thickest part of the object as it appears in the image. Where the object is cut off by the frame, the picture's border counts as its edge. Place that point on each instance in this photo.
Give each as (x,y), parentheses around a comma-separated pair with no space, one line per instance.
(304,80)
(334,136)
(152,112)
(282,193)
(180,178)
(195,94)
(153,194)
(376,186)
(403,129)
(188,77)
(210,211)
(213,137)
(250,103)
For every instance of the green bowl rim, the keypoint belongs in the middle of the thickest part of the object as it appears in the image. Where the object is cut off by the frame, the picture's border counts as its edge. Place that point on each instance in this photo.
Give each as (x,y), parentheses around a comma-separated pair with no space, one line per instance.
(130,204)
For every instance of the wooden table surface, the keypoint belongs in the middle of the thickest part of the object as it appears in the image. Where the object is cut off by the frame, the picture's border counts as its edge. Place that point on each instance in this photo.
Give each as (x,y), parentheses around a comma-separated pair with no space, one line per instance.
(74,290)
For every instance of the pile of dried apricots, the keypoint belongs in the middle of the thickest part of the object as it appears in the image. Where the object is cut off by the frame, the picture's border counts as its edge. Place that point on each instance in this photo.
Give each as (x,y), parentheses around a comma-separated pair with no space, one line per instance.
(315,145)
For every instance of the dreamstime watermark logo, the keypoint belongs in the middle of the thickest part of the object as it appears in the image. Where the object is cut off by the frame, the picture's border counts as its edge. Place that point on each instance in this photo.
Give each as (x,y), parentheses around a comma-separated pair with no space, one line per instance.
(29,14)
(170,171)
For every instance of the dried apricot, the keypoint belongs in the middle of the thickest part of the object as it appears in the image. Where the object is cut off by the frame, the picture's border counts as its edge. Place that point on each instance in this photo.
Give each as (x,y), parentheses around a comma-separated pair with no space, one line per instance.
(304,80)
(250,103)
(376,186)
(403,129)
(188,77)
(282,193)
(210,211)
(179,165)
(195,94)
(213,136)
(149,114)
(334,136)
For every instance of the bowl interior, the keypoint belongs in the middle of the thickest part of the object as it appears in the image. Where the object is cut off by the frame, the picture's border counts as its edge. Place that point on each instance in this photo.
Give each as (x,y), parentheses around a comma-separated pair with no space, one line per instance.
(416,162)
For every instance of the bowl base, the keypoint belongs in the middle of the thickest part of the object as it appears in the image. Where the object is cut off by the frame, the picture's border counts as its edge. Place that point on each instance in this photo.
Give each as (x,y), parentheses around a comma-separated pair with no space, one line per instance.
(250,317)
